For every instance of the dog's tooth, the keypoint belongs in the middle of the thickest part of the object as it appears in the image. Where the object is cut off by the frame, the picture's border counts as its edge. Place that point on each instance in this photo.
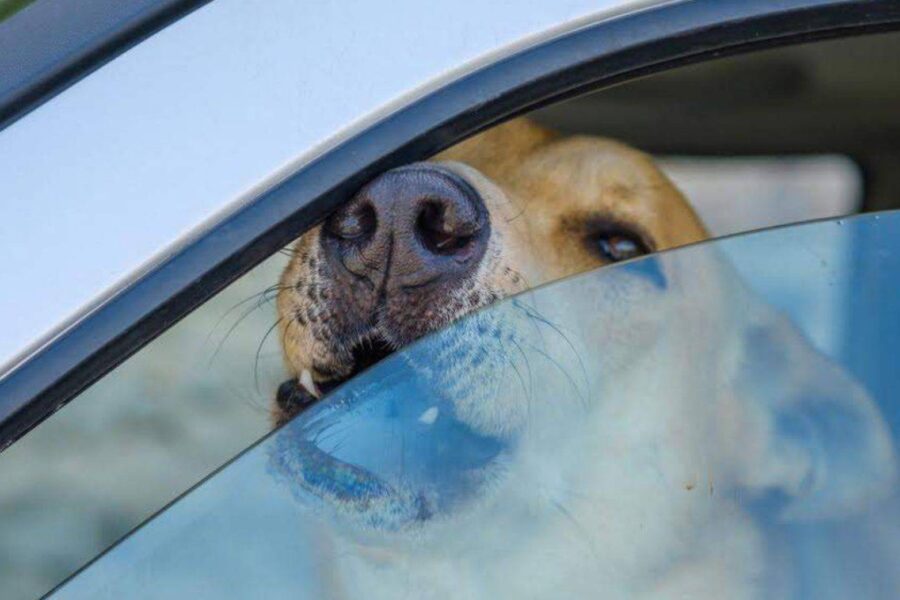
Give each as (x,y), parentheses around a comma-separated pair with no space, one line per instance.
(429,416)
(306,381)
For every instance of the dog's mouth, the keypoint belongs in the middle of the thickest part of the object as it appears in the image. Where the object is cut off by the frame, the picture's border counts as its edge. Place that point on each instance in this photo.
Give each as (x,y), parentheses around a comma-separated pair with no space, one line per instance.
(387,451)
(366,353)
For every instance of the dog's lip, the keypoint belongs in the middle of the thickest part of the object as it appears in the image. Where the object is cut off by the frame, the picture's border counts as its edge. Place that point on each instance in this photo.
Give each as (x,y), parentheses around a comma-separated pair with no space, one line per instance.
(370,350)
(386,452)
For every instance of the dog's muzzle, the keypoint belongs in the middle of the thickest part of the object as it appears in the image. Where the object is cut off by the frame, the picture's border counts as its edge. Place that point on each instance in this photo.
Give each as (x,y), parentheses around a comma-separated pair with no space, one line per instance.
(402,251)
(386,452)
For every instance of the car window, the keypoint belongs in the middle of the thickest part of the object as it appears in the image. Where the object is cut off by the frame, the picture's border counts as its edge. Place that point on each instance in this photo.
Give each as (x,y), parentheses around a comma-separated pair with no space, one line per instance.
(737,194)
(131,443)
(664,423)
(203,391)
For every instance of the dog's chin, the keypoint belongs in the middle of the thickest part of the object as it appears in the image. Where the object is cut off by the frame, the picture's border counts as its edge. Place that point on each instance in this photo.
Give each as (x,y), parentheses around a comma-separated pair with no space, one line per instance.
(387,453)
(381,440)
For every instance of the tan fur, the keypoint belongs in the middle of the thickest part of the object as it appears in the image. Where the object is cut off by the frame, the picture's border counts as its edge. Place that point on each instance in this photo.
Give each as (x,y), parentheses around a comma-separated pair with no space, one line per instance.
(556,184)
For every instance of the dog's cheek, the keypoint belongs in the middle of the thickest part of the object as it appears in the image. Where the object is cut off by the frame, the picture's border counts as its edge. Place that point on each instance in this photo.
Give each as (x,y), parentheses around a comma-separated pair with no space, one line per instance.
(305,308)
(823,448)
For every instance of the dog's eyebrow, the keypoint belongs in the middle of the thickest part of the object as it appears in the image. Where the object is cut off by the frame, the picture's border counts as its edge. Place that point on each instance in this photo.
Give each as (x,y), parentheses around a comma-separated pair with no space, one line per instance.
(523,206)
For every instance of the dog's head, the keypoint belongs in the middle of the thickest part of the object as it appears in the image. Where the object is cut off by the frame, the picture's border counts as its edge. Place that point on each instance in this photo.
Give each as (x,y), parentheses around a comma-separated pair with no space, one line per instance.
(660,378)
(424,244)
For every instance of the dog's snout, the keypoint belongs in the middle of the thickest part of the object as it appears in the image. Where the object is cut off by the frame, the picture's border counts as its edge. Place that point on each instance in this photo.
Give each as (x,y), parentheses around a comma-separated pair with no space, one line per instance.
(410,227)
(357,222)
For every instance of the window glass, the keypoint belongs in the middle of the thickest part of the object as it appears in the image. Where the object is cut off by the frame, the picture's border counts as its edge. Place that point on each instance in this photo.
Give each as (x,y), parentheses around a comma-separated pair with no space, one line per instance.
(128,445)
(745,156)
(661,426)
(738,194)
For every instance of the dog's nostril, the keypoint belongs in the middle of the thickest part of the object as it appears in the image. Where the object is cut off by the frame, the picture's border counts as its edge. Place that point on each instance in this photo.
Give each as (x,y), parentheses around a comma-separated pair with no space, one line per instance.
(358,221)
(443,230)
(408,227)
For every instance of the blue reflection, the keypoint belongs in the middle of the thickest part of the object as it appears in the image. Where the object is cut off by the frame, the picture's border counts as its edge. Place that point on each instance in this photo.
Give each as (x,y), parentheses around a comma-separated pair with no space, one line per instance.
(650,268)
(387,451)
(711,429)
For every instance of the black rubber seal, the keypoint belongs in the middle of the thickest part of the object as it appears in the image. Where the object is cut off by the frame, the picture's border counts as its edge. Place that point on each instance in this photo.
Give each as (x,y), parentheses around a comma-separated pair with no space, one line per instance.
(599,55)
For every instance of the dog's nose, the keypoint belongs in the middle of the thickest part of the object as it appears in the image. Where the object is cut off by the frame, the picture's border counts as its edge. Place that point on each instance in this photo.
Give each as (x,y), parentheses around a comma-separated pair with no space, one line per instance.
(410,227)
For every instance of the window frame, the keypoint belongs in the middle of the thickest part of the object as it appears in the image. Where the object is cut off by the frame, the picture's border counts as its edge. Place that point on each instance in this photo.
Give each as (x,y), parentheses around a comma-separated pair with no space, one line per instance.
(609,52)
(75,40)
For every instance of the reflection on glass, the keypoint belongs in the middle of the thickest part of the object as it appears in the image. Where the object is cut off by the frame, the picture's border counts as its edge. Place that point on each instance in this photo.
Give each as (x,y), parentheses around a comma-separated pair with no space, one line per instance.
(138,438)
(654,429)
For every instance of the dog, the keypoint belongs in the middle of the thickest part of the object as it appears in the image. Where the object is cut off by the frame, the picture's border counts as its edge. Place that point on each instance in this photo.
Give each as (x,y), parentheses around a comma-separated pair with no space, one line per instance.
(624,433)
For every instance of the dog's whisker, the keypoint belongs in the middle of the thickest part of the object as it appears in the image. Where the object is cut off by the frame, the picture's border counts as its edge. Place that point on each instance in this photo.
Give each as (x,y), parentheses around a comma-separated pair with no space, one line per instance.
(263,295)
(228,333)
(517,303)
(526,389)
(320,435)
(541,319)
(580,530)
(522,206)
(582,400)
(530,394)
(290,251)
(518,373)
(259,349)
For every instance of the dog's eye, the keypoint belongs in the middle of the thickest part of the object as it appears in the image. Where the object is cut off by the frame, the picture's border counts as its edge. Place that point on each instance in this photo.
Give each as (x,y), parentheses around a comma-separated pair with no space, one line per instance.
(619,246)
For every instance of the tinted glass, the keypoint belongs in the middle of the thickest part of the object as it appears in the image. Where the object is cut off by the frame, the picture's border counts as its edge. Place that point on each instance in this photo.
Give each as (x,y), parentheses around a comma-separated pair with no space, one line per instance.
(201,392)
(131,443)
(714,421)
